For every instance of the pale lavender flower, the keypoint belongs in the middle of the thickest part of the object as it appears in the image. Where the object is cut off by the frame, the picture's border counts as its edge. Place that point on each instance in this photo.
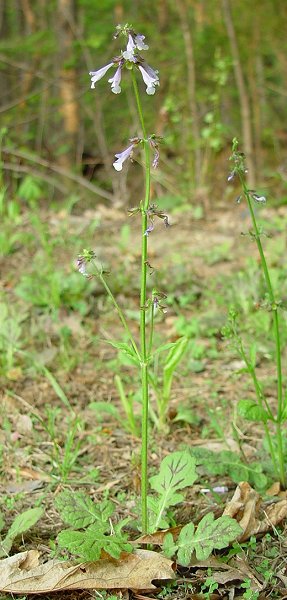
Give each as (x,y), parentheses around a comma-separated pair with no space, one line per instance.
(139,42)
(135,42)
(128,54)
(82,266)
(116,80)
(150,77)
(122,156)
(149,229)
(97,75)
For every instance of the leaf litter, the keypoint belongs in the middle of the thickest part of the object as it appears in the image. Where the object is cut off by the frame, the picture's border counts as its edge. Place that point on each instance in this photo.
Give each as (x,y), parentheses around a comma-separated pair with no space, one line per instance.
(250,511)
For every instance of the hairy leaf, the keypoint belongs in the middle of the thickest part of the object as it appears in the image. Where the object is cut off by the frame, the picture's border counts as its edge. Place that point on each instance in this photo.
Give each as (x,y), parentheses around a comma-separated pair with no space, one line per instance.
(89,544)
(210,535)
(78,510)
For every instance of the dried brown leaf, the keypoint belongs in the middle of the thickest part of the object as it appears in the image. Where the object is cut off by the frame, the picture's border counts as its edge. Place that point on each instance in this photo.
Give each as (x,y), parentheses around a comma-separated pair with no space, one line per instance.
(157,538)
(247,508)
(23,574)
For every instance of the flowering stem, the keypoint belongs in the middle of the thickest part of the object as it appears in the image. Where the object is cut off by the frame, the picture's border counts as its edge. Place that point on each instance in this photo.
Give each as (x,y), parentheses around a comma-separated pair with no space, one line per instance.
(276,333)
(118,309)
(151,329)
(143,300)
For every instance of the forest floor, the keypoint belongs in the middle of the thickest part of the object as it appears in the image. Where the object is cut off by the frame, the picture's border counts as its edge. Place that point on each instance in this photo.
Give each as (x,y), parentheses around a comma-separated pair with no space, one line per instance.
(57,363)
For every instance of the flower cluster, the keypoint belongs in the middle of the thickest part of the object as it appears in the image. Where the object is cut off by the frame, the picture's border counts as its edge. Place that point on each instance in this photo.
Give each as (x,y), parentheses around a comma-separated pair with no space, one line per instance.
(129,57)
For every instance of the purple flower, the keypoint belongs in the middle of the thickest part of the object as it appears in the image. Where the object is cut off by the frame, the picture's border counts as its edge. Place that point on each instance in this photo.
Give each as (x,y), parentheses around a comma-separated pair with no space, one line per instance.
(149,229)
(139,42)
(82,266)
(231,175)
(122,156)
(97,75)
(116,80)
(150,77)
(135,42)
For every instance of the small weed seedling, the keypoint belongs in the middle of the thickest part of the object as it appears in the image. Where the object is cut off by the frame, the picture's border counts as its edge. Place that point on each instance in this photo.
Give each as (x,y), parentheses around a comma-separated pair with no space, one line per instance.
(260,410)
(20,525)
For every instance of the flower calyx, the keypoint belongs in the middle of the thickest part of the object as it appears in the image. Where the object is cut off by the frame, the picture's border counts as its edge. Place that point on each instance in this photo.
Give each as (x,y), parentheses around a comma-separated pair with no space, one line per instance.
(157,298)
(153,212)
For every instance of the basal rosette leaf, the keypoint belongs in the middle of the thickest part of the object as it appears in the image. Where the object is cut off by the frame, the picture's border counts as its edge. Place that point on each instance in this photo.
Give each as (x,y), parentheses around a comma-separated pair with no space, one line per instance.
(177,471)
(89,544)
(157,519)
(210,535)
(79,510)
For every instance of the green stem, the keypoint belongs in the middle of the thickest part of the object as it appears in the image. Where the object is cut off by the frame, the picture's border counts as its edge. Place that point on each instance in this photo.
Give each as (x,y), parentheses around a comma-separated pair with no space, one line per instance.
(276,333)
(118,309)
(151,330)
(143,301)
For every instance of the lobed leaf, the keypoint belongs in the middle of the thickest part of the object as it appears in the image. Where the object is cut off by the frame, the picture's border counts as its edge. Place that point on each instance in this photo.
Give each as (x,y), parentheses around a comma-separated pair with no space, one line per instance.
(78,509)
(177,471)
(89,544)
(210,535)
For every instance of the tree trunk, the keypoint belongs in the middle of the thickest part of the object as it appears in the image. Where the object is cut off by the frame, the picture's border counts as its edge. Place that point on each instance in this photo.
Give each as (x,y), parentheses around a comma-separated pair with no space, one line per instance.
(191,88)
(67,81)
(247,140)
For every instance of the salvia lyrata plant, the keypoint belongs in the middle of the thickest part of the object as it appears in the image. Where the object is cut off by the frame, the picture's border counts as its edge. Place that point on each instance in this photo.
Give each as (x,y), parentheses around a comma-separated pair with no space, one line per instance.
(131,62)
(261,408)
(91,530)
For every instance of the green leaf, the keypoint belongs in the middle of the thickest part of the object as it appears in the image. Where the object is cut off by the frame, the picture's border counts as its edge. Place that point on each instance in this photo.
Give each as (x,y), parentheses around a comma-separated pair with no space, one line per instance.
(250,410)
(89,544)
(252,354)
(210,535)
(24,521)
(78,510)
(163,347)
(177,471)
(20,525)
(126,350)
(175,354)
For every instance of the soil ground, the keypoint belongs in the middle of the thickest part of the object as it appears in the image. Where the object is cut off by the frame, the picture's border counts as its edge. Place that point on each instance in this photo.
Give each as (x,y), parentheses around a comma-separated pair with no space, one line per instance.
(196,260)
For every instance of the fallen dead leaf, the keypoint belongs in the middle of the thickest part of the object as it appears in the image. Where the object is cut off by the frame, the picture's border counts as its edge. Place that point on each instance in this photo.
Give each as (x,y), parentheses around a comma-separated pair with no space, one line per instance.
(252,514)
(23,574)
(157,538)
(236,570)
